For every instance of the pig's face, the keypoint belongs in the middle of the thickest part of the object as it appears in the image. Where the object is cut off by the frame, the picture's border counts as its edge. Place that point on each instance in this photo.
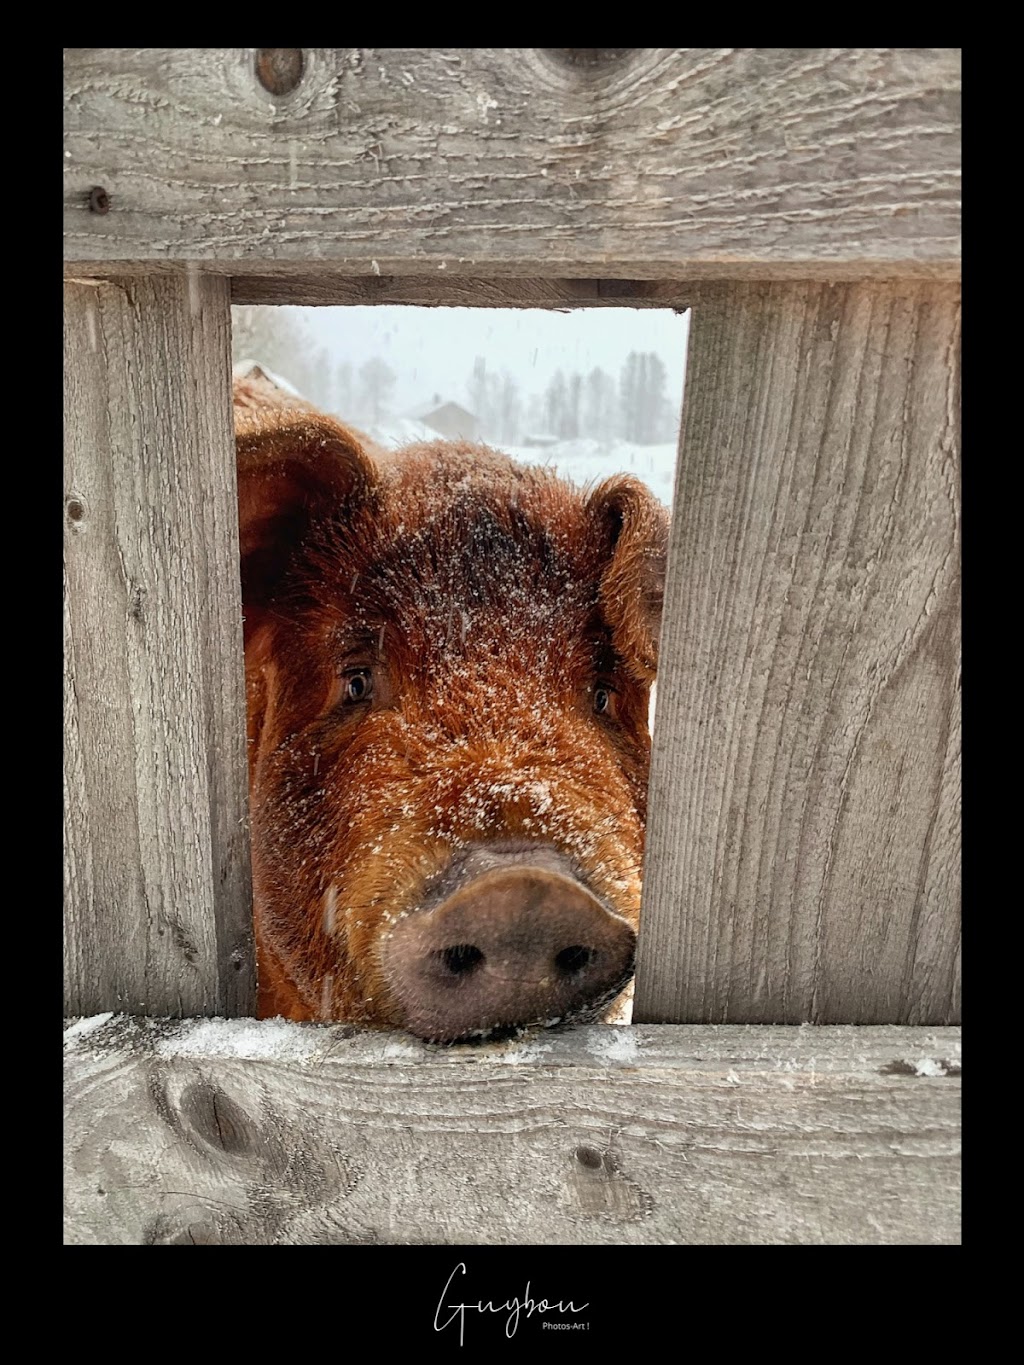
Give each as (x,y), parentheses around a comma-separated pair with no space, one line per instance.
(448,663)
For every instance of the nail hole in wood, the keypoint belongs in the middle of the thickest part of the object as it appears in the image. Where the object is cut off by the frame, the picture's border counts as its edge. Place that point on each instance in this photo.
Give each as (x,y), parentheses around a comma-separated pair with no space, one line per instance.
(588,1157)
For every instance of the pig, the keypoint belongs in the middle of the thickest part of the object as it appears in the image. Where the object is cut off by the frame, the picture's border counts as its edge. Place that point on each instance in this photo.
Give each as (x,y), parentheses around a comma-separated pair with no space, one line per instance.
(448,661)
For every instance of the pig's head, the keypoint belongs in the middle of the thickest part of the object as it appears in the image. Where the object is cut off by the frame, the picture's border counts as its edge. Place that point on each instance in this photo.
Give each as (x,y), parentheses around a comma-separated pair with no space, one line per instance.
(448,660)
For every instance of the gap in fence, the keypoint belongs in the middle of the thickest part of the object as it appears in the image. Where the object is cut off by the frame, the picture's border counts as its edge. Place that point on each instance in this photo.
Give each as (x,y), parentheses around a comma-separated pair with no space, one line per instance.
(587,393)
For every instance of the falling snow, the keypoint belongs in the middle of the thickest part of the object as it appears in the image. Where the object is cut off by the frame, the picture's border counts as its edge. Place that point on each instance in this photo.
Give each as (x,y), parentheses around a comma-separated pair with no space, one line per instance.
(469,594)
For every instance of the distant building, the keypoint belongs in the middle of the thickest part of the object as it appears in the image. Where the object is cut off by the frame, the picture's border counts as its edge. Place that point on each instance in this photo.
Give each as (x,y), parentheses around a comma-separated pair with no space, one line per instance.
(448,419)
(401,431)
(255,369)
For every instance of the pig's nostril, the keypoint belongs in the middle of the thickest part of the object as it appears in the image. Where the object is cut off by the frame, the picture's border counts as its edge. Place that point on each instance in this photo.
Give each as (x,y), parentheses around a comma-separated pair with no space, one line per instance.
(574,959)
(461,959)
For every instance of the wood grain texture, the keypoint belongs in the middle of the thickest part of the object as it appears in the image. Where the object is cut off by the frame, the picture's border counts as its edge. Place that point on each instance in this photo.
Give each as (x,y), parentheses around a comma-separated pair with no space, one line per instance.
(284,1134)
(458,291)
(658,163)
(803,841)
(156,876)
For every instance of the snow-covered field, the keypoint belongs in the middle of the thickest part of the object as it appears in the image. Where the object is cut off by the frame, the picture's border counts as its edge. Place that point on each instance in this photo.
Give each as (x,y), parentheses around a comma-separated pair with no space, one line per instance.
(584,461)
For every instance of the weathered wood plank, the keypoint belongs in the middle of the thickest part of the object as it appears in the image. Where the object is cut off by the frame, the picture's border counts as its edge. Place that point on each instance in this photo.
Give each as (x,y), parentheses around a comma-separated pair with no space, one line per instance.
(156,877)
(287,1134)
(443,290)
(658,163)
(803,842)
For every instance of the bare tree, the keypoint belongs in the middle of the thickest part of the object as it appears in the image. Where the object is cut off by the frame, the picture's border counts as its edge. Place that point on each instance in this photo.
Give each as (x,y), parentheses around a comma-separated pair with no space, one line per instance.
(376,385)
(630,396)
(476,392)
(646,414)
(574,391)
(344,398)
(660,423)
(599,418)
(556,405)
(535,413)
(320,387)
(510,411)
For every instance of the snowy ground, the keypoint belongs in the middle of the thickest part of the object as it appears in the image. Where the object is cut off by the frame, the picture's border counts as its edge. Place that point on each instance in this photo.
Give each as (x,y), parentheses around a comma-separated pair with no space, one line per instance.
(582,461)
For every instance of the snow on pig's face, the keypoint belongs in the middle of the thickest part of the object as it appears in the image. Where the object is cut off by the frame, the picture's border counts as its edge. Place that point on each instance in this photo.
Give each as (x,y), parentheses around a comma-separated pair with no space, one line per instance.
(448,662)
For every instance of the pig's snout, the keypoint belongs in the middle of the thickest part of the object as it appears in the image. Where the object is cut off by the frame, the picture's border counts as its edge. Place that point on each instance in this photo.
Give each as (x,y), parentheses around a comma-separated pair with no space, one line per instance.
(512,946)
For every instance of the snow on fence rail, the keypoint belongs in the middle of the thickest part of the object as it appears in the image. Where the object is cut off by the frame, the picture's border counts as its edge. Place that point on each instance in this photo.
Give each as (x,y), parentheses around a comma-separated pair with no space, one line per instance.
(276,1133)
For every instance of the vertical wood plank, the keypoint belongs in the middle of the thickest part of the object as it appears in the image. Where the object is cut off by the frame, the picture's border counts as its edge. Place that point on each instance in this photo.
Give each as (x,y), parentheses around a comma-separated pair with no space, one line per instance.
(156,872)
(803,838)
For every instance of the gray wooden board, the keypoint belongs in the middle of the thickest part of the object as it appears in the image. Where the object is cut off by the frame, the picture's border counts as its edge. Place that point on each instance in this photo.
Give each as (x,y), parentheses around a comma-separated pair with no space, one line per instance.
(803,855)
(658,163)
(238,1132)
(156,873)
(451,290)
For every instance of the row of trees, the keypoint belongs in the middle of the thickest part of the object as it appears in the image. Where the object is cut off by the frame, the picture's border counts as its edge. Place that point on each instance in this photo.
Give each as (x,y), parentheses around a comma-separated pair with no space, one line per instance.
(635,407)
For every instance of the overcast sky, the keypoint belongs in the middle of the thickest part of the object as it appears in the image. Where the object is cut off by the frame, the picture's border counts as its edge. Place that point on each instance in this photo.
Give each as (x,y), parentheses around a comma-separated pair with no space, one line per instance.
(432,350)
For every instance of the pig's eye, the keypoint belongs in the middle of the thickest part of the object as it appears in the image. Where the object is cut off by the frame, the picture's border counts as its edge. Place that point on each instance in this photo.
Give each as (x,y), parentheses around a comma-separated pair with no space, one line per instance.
(357,686)
(604,701)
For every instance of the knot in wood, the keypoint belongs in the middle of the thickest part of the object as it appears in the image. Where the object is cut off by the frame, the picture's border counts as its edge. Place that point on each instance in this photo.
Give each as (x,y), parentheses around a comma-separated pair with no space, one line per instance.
(279,69)
(589,60)
(588,1157)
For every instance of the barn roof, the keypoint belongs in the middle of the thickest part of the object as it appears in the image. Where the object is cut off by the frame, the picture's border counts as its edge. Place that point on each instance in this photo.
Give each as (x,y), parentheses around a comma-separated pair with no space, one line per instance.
(424,410)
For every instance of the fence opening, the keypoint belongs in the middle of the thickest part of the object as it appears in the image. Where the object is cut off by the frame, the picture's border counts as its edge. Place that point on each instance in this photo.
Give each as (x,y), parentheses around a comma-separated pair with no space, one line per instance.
(454,530)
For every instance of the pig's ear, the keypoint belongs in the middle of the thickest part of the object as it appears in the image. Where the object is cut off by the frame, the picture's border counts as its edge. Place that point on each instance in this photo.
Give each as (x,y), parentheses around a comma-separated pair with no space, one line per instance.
(295,466)
(633,527)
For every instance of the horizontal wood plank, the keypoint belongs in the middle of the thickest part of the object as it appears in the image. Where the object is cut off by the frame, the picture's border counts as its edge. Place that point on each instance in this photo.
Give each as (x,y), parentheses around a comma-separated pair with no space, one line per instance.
(156,876)
(654,163)
(284,1134)
(441,290)
(803,855)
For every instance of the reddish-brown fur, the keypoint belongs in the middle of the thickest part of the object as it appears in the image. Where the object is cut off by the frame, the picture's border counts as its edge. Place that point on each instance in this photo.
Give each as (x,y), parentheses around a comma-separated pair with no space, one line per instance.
(487,601)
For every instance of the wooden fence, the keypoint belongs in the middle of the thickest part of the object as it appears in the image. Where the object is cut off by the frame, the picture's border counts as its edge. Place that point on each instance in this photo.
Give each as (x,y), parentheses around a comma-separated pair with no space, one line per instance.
(803,844)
